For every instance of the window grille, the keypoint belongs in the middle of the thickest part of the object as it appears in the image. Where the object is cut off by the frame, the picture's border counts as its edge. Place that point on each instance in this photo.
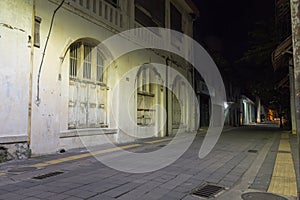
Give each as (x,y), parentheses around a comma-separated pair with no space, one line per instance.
(87,99)
(87,64)
(100,66)
(74,50)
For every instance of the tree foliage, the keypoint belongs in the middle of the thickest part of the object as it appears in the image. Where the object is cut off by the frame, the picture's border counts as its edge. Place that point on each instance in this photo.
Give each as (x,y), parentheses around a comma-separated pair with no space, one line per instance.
(264,39)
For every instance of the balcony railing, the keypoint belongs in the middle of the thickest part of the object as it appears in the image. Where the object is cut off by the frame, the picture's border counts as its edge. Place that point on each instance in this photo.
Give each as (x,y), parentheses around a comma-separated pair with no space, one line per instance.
(178,43)
(146,35)
(102,11)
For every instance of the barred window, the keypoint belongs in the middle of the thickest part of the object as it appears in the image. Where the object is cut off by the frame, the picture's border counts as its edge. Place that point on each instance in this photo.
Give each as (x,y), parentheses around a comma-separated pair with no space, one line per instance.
(74,50)
(176,19)
(87,64)
(100,66)
(87,89)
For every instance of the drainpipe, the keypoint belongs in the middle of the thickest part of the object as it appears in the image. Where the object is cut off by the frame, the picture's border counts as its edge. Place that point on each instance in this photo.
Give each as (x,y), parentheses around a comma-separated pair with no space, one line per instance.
(167,96)
(38,100)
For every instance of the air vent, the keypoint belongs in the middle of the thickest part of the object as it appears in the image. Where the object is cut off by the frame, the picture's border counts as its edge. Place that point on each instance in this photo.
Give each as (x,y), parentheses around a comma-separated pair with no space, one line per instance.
(47,175)
(207,191)
(252,151)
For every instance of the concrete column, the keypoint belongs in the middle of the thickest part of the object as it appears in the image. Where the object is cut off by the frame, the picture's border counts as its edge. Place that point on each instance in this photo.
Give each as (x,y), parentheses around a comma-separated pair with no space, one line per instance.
(258,104)
(130,13)
(292,98)
(295,15)
(199,114)
(147,75)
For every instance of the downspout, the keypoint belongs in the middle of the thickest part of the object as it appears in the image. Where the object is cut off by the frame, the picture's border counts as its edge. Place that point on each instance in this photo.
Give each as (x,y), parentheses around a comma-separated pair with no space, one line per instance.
(196,115)
(38,100)
(167,96)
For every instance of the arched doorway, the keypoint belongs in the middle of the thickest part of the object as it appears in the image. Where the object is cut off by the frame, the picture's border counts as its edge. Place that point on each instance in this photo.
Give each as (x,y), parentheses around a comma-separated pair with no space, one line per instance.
(149,94)
(179,104)
(87,106)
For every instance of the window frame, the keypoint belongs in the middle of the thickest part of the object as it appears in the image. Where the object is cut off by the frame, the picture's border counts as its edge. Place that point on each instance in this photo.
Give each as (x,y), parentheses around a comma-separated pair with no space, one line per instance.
(84,55)
(37,31)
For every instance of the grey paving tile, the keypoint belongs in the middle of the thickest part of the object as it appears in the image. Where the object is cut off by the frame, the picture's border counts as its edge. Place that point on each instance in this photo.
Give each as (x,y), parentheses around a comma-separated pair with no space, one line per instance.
(119,191)
(156,194)
(138,192)
(44,195)
(32,198)
(29,192)
(190,198)
(11,196)
(73,198)
(58,197)
(181,178)
(101,197)
(3,192)
(173,195)
(80,193)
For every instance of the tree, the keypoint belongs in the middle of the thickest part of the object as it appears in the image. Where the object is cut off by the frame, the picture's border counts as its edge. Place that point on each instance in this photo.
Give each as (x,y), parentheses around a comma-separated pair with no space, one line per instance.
(262,82)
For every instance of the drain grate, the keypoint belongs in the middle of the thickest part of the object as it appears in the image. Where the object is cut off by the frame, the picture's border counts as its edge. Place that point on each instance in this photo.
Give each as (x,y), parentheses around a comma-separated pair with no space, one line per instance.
(252,151)
(47,175)
(162,145)
(207,191)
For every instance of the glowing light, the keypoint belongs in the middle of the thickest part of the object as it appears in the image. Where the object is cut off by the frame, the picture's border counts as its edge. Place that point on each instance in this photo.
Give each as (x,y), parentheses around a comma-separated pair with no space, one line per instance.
(226,105)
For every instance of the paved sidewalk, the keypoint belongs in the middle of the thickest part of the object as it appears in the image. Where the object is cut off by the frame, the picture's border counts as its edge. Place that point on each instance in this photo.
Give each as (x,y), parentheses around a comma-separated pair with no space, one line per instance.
(242,161)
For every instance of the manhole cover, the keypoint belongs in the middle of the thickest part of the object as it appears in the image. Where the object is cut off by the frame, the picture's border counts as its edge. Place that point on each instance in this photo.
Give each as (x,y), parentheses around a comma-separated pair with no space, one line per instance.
(261,196)
(207,191)
(22,169)
(47,175)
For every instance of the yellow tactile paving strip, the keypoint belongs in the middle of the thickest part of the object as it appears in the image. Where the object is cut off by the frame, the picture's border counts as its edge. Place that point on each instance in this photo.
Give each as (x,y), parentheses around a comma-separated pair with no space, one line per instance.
(283,180)
(158,141)
(284,145)
(85,155)
(76,157)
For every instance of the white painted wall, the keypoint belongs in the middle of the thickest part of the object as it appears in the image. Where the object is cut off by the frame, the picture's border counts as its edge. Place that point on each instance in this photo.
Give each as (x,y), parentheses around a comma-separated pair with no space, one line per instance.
(15,27)
(50,118)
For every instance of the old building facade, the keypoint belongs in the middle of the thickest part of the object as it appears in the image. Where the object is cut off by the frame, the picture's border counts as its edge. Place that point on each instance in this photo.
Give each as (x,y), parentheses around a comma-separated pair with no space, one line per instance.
(56,94)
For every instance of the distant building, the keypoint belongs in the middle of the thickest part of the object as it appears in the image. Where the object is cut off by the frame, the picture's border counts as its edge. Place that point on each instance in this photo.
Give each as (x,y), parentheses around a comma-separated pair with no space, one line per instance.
(247,108)
(75,90)
(282,58)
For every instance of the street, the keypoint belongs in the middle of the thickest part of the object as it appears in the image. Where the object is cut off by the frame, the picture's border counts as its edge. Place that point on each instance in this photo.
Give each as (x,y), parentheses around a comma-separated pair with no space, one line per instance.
(243,160)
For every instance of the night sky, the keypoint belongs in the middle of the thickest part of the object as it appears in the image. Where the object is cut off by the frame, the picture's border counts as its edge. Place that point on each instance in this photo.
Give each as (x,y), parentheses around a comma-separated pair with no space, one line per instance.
(224,25)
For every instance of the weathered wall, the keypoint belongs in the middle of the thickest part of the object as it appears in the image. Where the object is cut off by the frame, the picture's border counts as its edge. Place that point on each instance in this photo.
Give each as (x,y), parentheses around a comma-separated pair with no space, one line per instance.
(15,27)
(49,118)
